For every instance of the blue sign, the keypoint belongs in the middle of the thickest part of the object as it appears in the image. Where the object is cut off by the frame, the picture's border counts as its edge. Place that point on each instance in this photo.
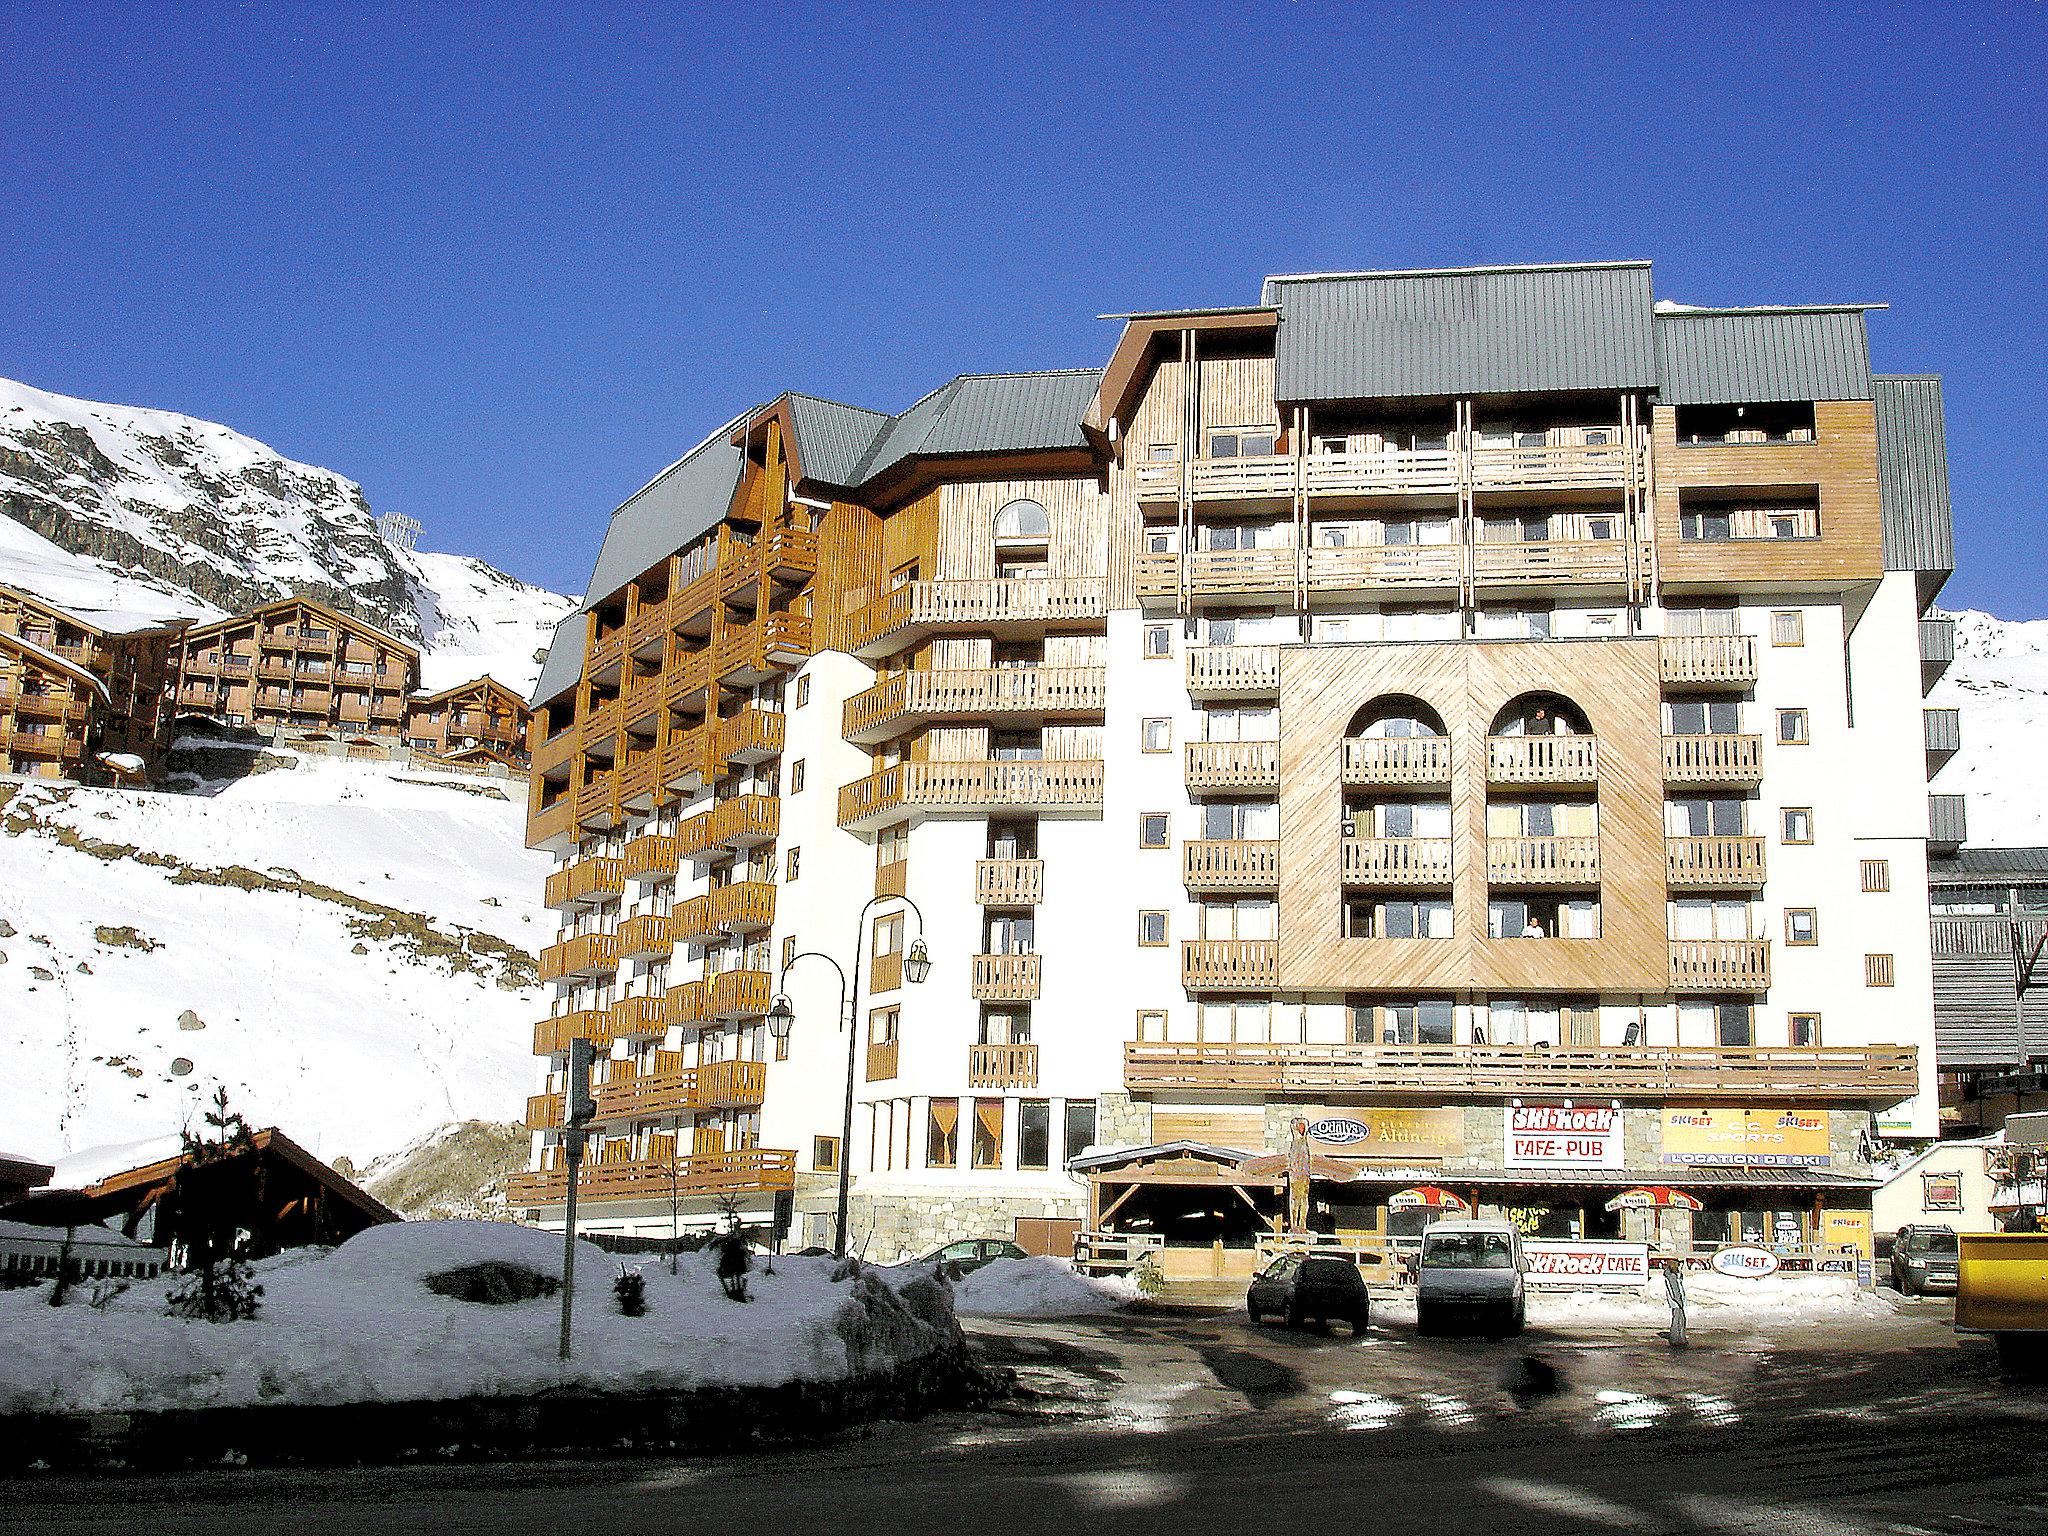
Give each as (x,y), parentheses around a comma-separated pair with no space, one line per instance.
(1339,1131)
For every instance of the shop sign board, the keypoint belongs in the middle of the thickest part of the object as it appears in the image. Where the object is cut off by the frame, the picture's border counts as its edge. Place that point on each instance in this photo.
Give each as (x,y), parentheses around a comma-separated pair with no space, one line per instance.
(1552,1136)
(1594,1264)
(1746,1263)
(1386,1134)
(1763,1138)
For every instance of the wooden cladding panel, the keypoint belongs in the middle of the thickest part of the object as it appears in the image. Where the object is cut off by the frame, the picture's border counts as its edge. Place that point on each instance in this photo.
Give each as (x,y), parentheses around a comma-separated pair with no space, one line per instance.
(1244,1130)
(1074,509)
(1616,683)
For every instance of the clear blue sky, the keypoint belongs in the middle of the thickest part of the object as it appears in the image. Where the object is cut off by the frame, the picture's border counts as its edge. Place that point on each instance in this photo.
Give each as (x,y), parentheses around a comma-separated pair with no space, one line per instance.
(501,268)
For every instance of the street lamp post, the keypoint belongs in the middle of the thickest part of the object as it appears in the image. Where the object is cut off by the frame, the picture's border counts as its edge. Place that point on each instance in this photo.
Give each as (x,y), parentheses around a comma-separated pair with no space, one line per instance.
(781,1017)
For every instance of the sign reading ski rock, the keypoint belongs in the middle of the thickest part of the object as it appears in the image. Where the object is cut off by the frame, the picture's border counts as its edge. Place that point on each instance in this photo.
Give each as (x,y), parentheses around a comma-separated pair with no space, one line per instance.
(1551,1136)
(1587,1263)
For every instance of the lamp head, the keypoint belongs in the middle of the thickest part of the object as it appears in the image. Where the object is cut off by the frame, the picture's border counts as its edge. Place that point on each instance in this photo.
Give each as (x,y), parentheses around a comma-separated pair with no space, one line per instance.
(919,963)
(780,1016)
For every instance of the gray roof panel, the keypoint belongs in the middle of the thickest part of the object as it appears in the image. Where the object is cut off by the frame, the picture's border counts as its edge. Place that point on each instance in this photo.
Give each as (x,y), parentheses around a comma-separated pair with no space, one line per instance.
(1470,332)
(1912,474)
(564,663)
(685,500)
(1747,357)
(989,413)
(832,439)
(1974,866)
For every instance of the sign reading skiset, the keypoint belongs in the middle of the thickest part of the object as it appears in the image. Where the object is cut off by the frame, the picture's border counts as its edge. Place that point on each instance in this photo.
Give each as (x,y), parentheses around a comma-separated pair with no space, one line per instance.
(1551,1136)
(1767,1138)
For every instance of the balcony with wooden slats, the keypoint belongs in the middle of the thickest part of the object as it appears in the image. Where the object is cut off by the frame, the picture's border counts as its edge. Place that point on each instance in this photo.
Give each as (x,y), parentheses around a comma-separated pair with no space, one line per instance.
(1715,863)
(1550,562)
(908,700)
(687,1003)
(552,1036)
(1707,661)
(731,1084)
(691,922)
(753,735)
(643,936)
(1232,765)
(1371,762)
(545,1112)
(1543,861)
(970,789)
(1005,978)
(745,821)
(1410,862)
(586,954)
(1720,965)
(1233,671)
(1542,759)
(1230,864)
(1009,882)
(751,1171)
(1002,1066)
(1229,965)
(1706,762)
(1370,567)
(1877,1075)
(1007,607)
(745,906)
(651,856)
(639,1018)
(738,994)
(882,1060)
(587,881)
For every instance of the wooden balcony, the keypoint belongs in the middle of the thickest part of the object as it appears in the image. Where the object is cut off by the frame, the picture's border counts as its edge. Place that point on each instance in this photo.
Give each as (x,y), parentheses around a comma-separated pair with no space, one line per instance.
(1158,576)
(970,789)
(643,936)
(650,856)
(1715,863)
(1543,861)
(1714,761)
(605,651)
(1707,661)
(688,1003)
(1373,761)
(909,699)
(745,821)
(1233,671)
(752,1171)
(1550,562)
(639,1018)
(882,1060)
(1542,759)
(731,1084)
(892,878)
(1367,567)
(738,994)
(1243,572)
(1397,861)
(601,718)
(1009,882)
(666,1088)
(751,736)
(1273,478)
(684,758)
(1232,765)
(1260,477)
(1003,606)
(584,955)
(1875,1075)
(745,906)
(1002,1066)
(691,921)
(1218,864)
(597,803)
(552,1036)
(1552,467)
(1005,978)
(885,972)
(1720,965)
(1229,965)
(545,1112)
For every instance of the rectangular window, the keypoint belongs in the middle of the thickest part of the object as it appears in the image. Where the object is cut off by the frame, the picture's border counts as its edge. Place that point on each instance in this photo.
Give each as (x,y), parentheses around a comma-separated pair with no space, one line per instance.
(988,1133)
(889,935)
(788,948)
(892,845)
(942,1134)
(1080,1127)
(1877,874)
(1792,728)
(803,690)
(825,1154)
(1788,627)
(1801,927)
(1034,1133)
(794,861)
(1154,829)
(1151,929)
(796,777)
(1155,735)
(1877,970)
(1158,641)
(1803,1029)
(1152,1024)
(1796,825)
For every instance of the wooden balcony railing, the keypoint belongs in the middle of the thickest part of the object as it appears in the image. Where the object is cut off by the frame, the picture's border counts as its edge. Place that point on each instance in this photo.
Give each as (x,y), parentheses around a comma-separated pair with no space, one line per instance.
(970,788)
(1420,471)
(754,1170)
(1009,882)
(902,701)
(751,736)
(688,1003)
(1708,661)
(1158,575)
(1226,965)
(1542,759)
(585,880)
(892,878)
(745,906)
(731,1084)
(1005,978)
(597,802)
(1728,863)
(1273,477)
(552,1036)
(1553,466)
(896,617)
(1002,1066)
(583,955)
(1246,572)
(669,1090)
(1233,671)
(1710,760)
(885,972)
(1400,861)
(644,933)
(1875,1075)
(1542,561)
(691,921)
(882,1060)
(1360,567)
(1721,965)
(1543,860)
(1376,760)
(637,1018)
(739,994)
(650,856)
(544,1112)
(1232,765)
(744,821)
(1221,864)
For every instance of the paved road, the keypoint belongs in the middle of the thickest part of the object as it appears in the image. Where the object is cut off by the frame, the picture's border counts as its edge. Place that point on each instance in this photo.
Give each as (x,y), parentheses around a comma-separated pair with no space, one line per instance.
(1145,1422)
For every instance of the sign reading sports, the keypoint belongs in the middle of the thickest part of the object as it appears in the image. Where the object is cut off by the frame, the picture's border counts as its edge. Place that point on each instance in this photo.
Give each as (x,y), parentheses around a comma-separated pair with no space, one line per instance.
(1765,1138)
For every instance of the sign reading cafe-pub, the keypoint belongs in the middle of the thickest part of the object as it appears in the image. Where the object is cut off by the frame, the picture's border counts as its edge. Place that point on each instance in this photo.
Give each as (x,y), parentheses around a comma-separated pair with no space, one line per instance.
(1553,1136)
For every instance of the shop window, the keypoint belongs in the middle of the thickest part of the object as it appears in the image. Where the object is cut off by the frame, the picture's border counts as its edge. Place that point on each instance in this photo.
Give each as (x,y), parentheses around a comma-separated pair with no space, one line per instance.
(987,1148)
(1154,829)
(1793,728)
(1878,971)
(1803,1030)
(1877,874)
(825,1154)
(1151,930)
(1034,1133)
(1080,1127)
(942,1134)
(1796,825)
(1801,926)
(1155,735)
(1788,628)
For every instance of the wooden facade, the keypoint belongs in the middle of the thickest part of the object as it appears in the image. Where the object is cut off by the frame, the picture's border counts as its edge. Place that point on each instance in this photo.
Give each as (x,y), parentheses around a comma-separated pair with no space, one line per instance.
(301,668)
(480,720)
(76,690)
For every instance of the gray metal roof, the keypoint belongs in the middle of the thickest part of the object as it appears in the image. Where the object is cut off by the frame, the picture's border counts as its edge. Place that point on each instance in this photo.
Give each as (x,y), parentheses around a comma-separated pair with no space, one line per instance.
(1494,330)
(564,663)
(1746,357)
(1912,474)
(989,413)
(832,439)
(1979,866)
(683,501)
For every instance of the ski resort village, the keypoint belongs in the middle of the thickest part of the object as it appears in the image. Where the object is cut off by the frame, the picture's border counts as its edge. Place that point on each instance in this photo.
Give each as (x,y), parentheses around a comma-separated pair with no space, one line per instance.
(1411,851)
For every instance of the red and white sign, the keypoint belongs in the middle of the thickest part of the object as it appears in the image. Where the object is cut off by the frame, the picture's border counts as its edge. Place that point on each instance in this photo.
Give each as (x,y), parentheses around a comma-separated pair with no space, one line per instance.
(1552,1136)
(1587,1263)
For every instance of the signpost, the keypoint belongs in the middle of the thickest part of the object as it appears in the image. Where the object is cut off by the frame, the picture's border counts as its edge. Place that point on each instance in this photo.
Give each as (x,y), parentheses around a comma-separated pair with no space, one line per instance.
(579,1108)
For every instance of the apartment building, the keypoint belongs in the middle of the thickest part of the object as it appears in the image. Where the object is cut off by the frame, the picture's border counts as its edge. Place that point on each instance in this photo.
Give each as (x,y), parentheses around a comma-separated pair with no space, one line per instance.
(298,667)
(480,721)
(1446,725)
(1989,914)
(79,688)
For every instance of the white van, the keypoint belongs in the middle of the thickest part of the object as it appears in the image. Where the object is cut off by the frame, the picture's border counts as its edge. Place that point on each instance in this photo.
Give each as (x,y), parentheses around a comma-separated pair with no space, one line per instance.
(1470,1270)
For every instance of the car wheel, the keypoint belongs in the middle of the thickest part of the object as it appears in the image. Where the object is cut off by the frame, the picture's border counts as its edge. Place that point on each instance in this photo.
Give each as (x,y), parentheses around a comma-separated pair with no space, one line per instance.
(1361,1321)
(1254,1314)
(1906,1285)
(1294,1317)
(1425,1319)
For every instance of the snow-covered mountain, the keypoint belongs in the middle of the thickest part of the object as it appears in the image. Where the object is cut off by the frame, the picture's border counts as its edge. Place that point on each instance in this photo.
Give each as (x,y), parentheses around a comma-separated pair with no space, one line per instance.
(145,511)
(2000,683)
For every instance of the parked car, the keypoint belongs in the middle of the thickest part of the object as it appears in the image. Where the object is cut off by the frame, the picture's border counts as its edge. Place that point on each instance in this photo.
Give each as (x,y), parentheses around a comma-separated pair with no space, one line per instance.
(1924,1259)
(1470,1270)
(969,1254)
(1309,1287)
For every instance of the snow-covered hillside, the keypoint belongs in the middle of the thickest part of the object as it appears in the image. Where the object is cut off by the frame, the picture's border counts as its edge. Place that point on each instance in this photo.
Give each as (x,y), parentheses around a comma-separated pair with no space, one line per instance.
(188,517)
(348,946)
(2000,683)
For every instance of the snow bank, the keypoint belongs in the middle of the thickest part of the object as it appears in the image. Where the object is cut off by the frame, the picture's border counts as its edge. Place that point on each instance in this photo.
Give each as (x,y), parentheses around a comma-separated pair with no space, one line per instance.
(357,1323)
(1037,1288)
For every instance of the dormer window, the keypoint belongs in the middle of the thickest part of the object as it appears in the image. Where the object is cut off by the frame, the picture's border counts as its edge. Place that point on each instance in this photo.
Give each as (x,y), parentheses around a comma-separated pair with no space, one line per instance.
(1022,522)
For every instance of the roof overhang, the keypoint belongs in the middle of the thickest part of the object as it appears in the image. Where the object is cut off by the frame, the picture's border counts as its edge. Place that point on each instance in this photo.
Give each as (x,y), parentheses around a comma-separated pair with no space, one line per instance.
(1130,362)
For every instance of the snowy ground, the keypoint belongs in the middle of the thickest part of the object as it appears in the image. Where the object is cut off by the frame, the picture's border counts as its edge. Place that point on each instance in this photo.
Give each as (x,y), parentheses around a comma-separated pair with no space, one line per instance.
(357,1323)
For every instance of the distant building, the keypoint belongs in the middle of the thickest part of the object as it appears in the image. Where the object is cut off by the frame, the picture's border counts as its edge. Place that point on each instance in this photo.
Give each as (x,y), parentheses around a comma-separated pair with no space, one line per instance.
(78,688)
(478,721)
(398,530)
(19,1175)
(1989,915)
(299,668)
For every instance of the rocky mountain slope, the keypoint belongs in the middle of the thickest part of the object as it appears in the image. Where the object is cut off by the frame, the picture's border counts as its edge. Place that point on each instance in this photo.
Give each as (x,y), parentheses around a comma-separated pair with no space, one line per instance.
(2000,683)
(189,517)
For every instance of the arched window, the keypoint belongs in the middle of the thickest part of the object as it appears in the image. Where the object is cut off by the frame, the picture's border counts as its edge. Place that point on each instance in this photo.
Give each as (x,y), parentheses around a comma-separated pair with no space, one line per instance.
(1541,714)
(1396,717)
(1024,520)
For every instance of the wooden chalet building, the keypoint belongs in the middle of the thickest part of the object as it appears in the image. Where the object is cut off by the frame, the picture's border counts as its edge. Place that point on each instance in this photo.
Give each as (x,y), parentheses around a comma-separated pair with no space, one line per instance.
(79,687)
(299,667)
(478,721)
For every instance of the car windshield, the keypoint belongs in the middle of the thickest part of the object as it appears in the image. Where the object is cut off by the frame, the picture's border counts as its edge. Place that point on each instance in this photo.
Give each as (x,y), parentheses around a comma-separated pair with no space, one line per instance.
(1936,1242)
(1468,1250)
